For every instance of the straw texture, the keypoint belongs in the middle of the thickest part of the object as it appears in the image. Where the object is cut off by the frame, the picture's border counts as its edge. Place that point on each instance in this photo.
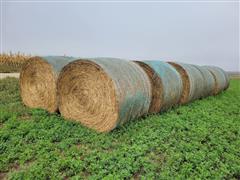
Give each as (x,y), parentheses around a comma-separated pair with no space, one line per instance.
(166,84)
(38,79)
(103,93)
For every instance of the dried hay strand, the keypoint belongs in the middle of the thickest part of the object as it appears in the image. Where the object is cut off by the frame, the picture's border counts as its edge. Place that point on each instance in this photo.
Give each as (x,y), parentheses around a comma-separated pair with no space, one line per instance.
(193,82)
(103,93)
(209,81)
(166,84)
(221,83)
(38,80)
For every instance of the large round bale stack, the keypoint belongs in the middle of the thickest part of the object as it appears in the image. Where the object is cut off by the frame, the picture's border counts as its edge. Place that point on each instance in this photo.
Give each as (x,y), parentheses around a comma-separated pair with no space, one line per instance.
(209,82)
(38,79)
(193,82)
(103,93)
(166,84)
(221,79)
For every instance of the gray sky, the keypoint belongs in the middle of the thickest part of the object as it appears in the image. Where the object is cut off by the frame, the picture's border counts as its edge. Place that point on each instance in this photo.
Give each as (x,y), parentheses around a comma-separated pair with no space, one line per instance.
(191,32)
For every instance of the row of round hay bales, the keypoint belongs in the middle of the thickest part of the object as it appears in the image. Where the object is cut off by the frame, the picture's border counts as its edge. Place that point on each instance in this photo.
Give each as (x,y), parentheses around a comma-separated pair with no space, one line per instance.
(103,93)
(201,81)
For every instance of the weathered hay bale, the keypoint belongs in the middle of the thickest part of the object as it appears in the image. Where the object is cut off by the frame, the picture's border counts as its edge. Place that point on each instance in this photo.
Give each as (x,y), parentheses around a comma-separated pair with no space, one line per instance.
(103,93)
(209,82)
(38,79)
(221,81)
(166,84)
(193,82)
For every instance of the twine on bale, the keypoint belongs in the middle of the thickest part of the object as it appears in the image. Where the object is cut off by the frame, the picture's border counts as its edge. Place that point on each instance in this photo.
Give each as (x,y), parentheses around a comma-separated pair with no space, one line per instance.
(166,84)
(193,82)
(38,80)
(103,93)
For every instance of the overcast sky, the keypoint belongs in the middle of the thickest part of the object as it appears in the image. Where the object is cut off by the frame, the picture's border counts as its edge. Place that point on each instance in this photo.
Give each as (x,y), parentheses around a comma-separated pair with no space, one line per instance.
(191,32)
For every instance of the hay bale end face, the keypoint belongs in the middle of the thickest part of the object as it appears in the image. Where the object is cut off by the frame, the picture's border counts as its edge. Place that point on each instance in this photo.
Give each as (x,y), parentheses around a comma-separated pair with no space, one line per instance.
(220,77)
(38,79)
(103,93)
(193,82)
(166,84)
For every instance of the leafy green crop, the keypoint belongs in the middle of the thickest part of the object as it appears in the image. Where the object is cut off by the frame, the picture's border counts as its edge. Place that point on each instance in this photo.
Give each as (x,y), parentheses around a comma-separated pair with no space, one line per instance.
(199,140)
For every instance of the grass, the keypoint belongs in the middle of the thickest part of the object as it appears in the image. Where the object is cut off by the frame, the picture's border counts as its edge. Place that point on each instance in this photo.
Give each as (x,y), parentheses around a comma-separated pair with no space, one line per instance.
(199,140)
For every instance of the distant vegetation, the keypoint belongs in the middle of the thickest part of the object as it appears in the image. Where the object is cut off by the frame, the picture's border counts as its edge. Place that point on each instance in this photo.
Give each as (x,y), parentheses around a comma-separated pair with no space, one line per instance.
(12,62)
(200,140)
(234,75)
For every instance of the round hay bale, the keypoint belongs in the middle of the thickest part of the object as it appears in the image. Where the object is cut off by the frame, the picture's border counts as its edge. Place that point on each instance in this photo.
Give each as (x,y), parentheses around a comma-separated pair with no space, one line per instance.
(209,82)
(227,78)
(166,84)
(103,93)
(38,79)
(193,82)
(221,83)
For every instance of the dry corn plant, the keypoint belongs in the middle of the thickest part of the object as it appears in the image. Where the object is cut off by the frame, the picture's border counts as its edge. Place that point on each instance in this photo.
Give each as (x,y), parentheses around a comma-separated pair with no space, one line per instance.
(12,62)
